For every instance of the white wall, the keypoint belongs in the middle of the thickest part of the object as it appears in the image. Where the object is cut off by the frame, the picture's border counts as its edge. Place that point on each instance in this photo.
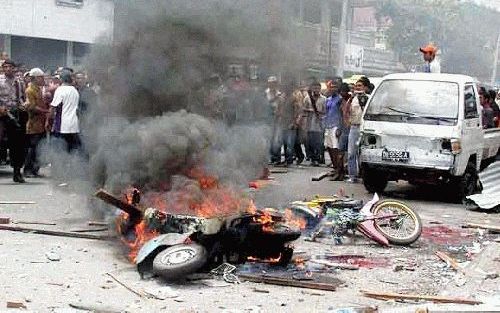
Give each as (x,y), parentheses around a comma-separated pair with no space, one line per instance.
(45,19)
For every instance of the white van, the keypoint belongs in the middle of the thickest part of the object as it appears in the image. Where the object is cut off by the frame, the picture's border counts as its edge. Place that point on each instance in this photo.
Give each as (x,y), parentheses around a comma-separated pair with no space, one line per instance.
(427,129)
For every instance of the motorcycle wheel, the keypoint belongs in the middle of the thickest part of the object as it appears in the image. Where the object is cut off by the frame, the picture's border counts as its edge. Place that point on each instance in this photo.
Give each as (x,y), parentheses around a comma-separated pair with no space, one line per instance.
(404,229)
(178,261)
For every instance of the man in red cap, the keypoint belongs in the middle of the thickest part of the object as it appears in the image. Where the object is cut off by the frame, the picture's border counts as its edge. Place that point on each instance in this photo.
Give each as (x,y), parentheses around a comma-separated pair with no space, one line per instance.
(432,64)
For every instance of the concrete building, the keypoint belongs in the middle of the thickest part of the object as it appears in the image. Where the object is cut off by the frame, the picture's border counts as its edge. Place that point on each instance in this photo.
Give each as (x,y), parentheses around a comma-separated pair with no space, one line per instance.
(351,42)
(52,33)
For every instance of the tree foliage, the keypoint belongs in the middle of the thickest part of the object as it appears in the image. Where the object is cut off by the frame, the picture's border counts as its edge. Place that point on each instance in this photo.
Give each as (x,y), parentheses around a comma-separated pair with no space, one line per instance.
(464,32)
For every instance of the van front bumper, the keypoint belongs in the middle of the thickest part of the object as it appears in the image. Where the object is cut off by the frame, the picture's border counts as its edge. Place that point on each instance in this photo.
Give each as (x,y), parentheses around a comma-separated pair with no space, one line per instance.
(420,166)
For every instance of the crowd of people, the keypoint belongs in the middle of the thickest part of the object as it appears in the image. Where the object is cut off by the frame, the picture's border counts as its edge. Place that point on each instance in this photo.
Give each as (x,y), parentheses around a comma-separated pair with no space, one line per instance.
(317,120)
(490,103)
(312,120)
(37,106)
(308,121)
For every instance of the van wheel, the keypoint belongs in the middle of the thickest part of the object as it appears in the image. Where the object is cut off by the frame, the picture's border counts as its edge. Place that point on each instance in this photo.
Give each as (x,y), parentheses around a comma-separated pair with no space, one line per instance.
(468,184)
(374,181)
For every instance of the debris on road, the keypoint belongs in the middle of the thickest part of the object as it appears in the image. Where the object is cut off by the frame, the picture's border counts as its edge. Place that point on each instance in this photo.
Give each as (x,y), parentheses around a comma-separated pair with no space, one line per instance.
(53,232)
(290,282)
(161,293)
(398,296)
(94,308)
(4,220)
(491,228)
(15,305)
(278,170)
(140,294)
(322,176)
(359,260)
(450,261)
(343,266)
(259,290)
(17,202)
(89,230)
(489,197)
(214,283)
(133,212)
(97,223)
(53,256)
(226,272)
(402,267)
(260,183)
(367,309)
(34,223)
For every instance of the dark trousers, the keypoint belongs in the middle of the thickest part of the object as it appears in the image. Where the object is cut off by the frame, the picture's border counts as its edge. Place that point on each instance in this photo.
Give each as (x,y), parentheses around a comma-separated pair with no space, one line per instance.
(289,138)
(276,144)
(69,142)
(299,154)
(322,148)
(314,141)
(17,146)
(32,163)
(3,141)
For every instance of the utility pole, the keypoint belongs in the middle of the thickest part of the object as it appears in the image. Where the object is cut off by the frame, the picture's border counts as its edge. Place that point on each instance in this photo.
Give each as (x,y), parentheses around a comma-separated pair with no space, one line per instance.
(342,39)
(495,63)
(326,21)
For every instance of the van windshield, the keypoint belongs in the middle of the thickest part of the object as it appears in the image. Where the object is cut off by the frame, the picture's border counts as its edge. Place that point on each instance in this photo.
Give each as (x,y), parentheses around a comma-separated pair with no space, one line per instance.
(415,101)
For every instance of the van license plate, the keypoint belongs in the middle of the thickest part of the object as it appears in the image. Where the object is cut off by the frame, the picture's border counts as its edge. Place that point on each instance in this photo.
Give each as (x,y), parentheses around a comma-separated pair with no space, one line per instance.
(396,156)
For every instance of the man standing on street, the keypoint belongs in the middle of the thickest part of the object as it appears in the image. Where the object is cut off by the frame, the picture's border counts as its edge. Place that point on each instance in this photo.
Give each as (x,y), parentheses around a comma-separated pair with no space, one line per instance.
(13,118)
(314,111)
(63,117)
(354,109)
(37,113)
(332,125)
(274,96)
(291,119)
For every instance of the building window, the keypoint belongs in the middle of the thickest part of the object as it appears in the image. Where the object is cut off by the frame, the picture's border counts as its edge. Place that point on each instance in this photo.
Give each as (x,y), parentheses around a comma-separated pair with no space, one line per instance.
(70,3)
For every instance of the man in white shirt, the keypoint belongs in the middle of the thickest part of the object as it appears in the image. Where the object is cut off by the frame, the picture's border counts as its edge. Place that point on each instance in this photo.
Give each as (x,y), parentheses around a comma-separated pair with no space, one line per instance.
(63,118)
(432,63)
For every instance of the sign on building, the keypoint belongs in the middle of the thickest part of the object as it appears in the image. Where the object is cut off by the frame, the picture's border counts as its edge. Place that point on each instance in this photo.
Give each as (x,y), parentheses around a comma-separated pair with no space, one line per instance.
(353,59)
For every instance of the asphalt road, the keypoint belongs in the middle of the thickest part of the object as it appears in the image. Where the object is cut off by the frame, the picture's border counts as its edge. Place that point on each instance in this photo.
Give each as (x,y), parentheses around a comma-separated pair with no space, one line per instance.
(80,275)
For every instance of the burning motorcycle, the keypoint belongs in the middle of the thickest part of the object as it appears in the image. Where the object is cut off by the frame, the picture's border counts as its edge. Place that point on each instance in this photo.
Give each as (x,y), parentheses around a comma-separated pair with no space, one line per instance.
(189,244)
(385,222)
(178,245)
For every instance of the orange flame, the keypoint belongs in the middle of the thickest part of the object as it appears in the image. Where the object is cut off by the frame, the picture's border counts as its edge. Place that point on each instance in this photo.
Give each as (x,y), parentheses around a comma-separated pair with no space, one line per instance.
(205,197)
(142,234)
(129,194)
(266,220)
(270,260)
(300,263)
(294,221)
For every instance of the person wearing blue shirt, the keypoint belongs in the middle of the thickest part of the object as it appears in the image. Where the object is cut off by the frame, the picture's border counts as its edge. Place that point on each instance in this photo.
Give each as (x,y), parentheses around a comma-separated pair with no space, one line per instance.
(333,120)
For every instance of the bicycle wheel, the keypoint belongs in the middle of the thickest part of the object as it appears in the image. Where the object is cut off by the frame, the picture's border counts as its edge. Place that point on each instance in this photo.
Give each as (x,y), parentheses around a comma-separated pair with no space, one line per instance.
(402,229)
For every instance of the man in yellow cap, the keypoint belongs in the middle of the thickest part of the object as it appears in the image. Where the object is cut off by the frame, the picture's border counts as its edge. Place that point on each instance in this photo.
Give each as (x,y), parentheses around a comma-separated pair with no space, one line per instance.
(432,64)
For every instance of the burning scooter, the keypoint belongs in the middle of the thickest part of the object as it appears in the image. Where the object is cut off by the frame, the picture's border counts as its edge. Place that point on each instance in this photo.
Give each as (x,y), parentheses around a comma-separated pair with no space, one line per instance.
(181,244)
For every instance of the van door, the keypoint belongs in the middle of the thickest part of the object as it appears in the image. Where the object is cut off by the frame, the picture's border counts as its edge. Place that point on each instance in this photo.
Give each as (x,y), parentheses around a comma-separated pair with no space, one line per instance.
(472,132)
